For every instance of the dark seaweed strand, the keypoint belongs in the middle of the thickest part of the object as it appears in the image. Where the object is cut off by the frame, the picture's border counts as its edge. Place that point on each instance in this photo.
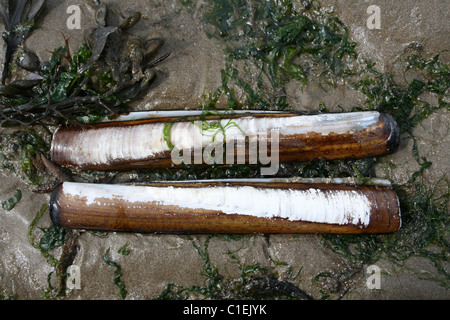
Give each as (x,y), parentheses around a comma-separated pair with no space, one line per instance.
(255,283)
(117,274)
(51,238)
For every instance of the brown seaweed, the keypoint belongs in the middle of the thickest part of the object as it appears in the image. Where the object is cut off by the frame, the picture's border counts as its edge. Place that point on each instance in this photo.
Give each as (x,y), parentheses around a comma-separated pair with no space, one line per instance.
(18,17)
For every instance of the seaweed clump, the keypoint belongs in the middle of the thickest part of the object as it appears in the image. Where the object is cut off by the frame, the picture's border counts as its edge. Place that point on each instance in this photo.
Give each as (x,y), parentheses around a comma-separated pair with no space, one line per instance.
(256,282)
(272,43)
(96,81)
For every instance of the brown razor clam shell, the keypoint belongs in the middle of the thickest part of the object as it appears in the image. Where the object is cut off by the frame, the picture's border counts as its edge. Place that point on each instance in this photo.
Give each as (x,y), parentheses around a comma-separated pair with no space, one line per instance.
(376,140)
(108,214)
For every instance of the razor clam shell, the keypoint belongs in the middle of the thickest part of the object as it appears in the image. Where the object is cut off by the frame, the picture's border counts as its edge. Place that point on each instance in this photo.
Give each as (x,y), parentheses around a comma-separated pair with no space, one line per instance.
(138,141)
(218,207)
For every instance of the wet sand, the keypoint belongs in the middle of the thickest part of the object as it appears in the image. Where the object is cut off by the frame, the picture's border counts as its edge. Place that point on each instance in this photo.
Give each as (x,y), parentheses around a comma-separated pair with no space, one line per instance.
(192,71)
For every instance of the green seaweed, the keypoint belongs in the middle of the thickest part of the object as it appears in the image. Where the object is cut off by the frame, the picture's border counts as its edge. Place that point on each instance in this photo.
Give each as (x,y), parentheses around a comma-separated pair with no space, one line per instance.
(65,94)
(123,250)
(424,213)
(9,204)
(279,45)
(211,128)
(21,154)
(117,274)
(166,134)
(384,94)
(51,238)
(31,145)
(256,281)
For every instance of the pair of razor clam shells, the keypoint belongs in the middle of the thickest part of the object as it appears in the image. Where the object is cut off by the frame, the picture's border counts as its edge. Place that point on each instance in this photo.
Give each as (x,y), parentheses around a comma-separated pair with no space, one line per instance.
(147,140)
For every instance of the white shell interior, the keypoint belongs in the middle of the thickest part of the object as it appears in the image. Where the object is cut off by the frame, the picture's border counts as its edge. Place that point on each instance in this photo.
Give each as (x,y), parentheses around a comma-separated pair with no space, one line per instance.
(313,204)
(103,145)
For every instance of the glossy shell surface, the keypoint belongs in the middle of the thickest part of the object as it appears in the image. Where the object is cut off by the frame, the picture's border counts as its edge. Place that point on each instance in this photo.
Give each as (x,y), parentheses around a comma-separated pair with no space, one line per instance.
(227,207)
(149,142)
